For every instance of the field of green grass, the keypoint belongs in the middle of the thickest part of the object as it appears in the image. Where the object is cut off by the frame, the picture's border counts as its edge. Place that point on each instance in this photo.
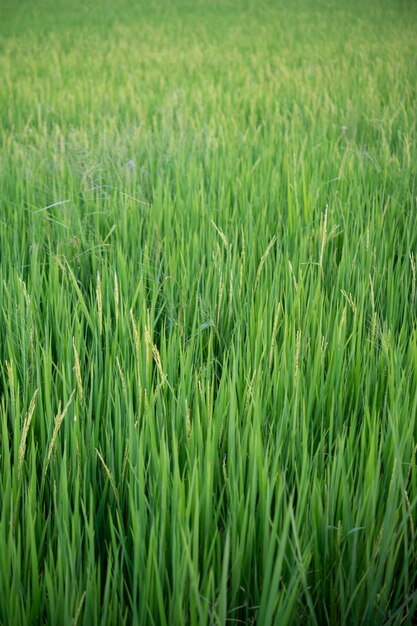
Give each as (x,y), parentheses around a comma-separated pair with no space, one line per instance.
(208,312)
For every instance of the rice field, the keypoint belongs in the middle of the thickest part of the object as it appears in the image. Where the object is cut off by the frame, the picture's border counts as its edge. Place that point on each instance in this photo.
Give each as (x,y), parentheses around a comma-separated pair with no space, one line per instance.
(208,312)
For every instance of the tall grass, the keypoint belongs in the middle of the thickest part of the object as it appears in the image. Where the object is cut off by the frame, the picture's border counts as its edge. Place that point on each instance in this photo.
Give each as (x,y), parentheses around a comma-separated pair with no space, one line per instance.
(208,339)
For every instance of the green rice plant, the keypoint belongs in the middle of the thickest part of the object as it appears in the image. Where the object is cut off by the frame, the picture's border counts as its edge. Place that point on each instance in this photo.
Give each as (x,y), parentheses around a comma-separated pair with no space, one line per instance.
(208,338)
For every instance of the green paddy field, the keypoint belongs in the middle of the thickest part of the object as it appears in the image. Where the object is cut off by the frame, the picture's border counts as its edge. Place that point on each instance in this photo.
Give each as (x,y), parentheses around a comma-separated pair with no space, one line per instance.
(208,312)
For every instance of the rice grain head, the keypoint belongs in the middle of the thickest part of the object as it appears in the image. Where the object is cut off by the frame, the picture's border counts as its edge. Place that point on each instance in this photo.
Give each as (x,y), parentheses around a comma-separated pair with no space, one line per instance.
(323,236)
(99,304)
(78,371)
(58,422)
(116,296)
(26,426)
(297,355)
(274,332)
(263,259)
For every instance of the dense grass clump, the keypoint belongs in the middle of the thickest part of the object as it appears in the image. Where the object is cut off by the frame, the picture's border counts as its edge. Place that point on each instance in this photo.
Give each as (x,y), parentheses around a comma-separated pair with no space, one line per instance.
(208,337)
